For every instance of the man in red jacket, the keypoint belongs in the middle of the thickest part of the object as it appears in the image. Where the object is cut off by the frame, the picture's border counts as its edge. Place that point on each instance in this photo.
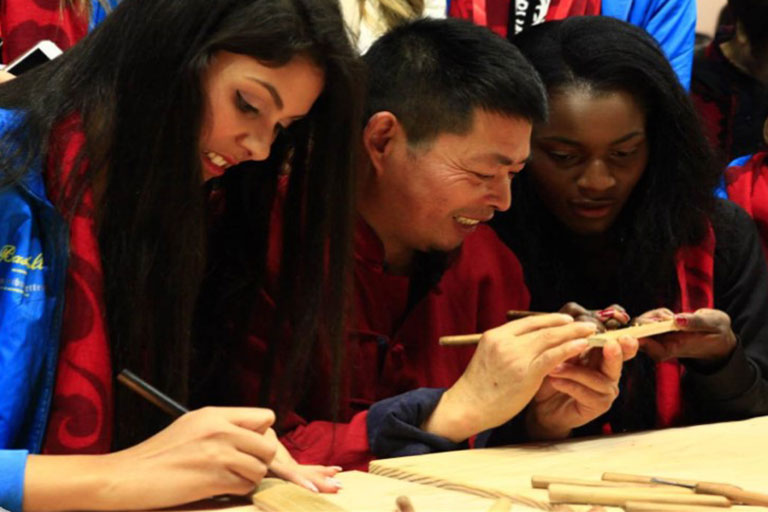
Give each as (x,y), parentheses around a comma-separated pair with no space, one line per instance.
(450,113)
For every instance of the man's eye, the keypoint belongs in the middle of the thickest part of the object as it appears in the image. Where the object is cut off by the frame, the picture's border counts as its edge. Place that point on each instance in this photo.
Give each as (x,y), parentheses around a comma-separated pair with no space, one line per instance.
(244,106)
(482,176)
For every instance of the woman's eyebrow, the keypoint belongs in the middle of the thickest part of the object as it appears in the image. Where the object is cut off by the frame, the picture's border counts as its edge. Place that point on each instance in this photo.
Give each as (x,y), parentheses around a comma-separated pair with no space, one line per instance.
(271,89)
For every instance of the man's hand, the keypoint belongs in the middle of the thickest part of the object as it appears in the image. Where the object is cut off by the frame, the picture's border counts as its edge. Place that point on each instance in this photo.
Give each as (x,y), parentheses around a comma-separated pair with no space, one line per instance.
(578,391)
(505,372)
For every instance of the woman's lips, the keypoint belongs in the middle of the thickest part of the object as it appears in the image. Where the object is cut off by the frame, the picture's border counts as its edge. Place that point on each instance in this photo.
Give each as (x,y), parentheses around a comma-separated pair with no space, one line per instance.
(592,210)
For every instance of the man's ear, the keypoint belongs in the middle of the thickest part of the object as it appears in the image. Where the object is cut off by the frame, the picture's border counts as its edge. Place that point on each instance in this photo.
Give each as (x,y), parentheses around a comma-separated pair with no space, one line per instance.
(379,132)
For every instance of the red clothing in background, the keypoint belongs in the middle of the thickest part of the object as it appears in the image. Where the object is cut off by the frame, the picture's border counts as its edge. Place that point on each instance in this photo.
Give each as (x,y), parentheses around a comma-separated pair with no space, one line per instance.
(494,14)
(392,348)
(732,104)
(747,186)
(24,23)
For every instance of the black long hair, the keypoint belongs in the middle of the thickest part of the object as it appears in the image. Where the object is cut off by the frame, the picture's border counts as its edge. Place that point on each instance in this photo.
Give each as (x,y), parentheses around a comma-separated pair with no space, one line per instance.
(136,82)
(669,206)
(671,203)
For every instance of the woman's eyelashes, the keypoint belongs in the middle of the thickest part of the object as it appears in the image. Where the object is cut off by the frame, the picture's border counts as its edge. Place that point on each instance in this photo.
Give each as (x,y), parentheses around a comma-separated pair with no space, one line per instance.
(243,105)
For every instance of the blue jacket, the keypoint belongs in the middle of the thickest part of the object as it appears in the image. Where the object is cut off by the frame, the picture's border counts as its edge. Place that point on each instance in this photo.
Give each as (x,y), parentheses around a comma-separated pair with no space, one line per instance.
(33,262)
(671,22)
(34,249)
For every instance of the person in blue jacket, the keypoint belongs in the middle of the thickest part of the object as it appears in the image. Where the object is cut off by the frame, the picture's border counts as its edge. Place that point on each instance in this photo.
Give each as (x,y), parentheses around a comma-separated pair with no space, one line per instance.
(104,154)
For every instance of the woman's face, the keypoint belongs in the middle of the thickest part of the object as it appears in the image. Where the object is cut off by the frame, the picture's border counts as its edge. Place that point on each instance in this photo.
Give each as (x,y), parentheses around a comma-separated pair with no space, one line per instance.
(590,155)
(247,103)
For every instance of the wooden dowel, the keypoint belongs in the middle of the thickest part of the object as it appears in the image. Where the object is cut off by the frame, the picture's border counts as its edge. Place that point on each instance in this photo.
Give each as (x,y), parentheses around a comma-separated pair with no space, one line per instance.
(404,504)
(543,482)
(649,506)
(460,339)
(733,493)
(561,493)
(471,339)
(596,340)
(516,314)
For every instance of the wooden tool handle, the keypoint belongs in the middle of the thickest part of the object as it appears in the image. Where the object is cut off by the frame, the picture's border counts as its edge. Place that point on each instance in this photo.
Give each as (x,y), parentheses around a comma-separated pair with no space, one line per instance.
(560,493)
(460,339)
(543,482)
(642,479)
(733,493)
(649,506)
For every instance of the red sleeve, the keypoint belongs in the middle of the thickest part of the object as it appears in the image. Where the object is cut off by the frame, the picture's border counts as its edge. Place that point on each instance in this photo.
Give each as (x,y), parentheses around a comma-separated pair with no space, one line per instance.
(332,444)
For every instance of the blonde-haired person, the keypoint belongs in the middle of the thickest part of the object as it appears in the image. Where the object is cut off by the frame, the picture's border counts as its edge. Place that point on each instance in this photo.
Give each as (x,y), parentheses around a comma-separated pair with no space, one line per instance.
(368,20)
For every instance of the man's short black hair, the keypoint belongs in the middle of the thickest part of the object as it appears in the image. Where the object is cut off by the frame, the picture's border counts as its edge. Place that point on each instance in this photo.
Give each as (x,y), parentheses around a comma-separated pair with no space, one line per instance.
(433,74)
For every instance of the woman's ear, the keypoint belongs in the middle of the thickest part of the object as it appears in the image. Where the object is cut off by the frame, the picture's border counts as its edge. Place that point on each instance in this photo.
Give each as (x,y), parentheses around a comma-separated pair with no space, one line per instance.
(765,131)
(378,135)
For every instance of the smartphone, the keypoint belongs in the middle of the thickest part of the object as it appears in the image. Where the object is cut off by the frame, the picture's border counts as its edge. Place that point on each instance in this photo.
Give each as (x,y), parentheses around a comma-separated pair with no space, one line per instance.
(41,53)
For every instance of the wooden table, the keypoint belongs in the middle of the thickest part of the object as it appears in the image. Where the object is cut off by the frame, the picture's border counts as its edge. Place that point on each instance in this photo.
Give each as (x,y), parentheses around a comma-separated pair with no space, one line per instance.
(734,452)
(471,480)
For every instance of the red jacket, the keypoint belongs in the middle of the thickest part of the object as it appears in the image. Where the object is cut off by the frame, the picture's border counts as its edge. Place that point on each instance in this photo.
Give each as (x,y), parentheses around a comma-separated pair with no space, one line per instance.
(746,181)
(391,350)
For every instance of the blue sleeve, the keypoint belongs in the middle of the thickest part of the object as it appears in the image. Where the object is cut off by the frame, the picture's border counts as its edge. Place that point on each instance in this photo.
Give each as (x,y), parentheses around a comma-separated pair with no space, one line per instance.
(671,22)
(12,465)
(99,12)
(394,425)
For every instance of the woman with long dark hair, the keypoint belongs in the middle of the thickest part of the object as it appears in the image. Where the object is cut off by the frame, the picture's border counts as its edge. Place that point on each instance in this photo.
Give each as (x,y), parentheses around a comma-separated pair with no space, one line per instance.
(617,206)
(104,153)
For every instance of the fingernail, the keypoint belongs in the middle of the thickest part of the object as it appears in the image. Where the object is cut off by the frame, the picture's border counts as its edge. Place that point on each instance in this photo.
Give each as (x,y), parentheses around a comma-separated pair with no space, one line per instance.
(312,487)
(558,368)
(681,320)
(337,468)
(606,313)
(334,482)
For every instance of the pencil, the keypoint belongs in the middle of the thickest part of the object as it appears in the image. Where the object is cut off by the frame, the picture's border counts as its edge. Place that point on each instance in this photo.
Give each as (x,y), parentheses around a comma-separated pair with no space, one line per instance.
(151,393)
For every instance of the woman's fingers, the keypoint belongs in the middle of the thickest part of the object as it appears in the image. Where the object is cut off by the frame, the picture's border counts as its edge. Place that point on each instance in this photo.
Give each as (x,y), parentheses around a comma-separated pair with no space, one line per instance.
(251,418)
(254,444)
(250,469)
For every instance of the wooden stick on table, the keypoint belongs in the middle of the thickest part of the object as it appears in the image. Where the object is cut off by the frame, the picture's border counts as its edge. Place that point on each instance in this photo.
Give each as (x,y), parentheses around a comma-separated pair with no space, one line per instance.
(732,492)
(561,493)
(649,506)
(596,340)
(543,482)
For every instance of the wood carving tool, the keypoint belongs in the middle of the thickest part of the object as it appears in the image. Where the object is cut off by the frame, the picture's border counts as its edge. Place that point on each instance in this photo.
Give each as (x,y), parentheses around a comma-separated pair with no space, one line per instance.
(543,482)
(649,506)
(596,340)
(618,496)
(732,492)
